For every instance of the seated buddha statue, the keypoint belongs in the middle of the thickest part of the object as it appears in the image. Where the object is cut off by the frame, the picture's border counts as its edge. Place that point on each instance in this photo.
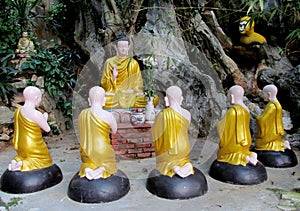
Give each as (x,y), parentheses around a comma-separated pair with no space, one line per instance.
(25,45)
(33,161)
(246,28)
(272,150)
(172,150)
(98,179)
(234,160)
(122,79)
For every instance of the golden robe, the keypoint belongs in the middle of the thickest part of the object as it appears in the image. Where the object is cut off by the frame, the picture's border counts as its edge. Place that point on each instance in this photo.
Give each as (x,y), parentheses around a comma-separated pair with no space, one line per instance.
(25,46)
(171,142)
(270,128)
(29,144)
(235,137)
(129,77)
(95,148)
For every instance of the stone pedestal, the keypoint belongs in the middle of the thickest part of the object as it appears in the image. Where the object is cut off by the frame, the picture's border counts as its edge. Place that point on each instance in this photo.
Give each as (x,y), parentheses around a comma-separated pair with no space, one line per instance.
(238,174)
(30,181)
(99,190)
(176,187)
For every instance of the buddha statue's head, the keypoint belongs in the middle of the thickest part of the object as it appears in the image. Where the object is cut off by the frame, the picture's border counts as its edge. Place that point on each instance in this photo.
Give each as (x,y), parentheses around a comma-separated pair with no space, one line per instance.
(246,25)
(236,94)
(269,92)
(32,95)
(122,44)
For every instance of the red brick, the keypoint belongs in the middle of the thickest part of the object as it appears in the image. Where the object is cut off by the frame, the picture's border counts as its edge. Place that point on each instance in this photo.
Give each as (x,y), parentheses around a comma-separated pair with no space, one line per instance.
(128,156)
(115,136)
(121,152)
(134,141)
(150,149)
(114,142)
(131,151)
(123,146)
(121,131)
(144,155)
(143,145)
(128,135)
(147,140)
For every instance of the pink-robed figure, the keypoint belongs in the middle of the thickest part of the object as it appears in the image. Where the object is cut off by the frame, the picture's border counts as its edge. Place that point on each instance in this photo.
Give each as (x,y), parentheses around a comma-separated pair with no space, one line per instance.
(95,125)
(27,141)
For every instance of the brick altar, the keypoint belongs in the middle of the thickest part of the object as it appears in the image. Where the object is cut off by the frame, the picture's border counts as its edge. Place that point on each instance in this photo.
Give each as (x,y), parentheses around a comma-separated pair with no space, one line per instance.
(133,142)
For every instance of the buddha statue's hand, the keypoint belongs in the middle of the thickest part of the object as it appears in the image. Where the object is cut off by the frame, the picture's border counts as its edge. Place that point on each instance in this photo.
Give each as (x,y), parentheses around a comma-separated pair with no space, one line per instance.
(128,91)
(45,115)
(115,72)
(139,94)
(109,93)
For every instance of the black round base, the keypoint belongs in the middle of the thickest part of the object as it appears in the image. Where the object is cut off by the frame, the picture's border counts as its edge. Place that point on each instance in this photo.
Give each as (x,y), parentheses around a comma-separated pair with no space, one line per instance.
(277,159)
(176,187)
(238,174)
(30,181)
(98,190)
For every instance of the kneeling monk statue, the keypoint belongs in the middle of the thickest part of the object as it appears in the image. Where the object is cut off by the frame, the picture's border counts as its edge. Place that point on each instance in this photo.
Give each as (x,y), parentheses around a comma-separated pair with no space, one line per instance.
(98,173)
(32,169)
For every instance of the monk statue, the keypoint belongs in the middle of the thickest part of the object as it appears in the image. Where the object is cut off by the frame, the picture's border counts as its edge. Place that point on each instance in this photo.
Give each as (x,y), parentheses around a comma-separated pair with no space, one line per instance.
(269,132)
(25,45)
(95,126)
(122,79)
(234,147)
(234,131)
(32,151)
(33,156)
(98,173)
(246,28)
(172,150)
(170,136)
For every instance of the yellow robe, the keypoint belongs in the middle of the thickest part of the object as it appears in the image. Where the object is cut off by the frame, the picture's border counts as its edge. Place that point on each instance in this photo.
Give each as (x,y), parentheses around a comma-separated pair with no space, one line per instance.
(129,77)
(171,142)
(270,128)
(235,137)
(95,148)
(29,144)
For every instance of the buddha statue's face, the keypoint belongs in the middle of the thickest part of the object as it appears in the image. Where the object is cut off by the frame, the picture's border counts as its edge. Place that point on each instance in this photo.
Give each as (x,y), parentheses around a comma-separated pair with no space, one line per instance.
(122,48)
(265,95)
(24,34)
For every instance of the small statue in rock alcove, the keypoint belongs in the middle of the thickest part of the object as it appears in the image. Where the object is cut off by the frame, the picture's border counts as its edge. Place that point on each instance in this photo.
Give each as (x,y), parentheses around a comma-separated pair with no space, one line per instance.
(25,45)
(32,169)
(271,149)
(249,37)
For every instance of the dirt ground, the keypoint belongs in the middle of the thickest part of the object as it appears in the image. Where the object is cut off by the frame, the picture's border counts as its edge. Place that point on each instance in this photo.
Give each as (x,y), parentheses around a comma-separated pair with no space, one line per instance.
(220,196)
